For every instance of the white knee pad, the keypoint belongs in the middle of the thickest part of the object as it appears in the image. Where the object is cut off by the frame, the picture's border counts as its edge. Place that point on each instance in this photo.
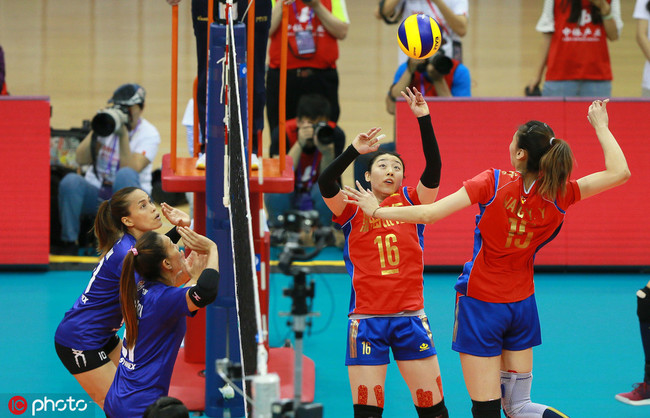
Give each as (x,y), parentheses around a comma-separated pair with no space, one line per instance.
(515,396)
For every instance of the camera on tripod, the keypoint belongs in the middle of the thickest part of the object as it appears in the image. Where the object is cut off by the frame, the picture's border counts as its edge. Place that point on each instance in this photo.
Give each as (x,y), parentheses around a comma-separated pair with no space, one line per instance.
(441,63)
(296,227)
(109,120)
(300,229)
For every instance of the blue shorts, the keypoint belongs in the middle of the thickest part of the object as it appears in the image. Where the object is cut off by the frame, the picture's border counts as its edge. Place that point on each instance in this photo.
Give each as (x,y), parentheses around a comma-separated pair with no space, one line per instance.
(370,339)
(485,329)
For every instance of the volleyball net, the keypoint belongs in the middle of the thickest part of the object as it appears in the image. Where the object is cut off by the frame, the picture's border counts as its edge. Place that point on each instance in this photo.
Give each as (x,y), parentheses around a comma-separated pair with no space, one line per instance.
(236,197)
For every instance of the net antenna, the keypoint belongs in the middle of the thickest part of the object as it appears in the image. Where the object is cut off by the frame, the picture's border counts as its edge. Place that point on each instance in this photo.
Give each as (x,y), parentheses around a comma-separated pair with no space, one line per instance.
(236,197)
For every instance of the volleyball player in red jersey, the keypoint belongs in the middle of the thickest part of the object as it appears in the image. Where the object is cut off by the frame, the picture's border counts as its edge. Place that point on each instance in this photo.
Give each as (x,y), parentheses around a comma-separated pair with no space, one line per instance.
(496,322)
(384,260)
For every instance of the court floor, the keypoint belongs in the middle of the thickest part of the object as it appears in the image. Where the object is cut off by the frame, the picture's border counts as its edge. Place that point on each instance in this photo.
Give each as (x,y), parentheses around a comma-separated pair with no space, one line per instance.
(591,346)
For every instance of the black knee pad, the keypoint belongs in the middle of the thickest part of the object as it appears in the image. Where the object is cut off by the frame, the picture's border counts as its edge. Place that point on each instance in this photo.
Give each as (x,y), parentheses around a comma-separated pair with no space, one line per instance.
(643,305)
(438,410)
(367,411)
(486,409)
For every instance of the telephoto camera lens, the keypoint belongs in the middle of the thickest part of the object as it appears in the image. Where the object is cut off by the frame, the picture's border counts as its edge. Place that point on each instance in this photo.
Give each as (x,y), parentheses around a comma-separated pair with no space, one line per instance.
(324,133)
(108,121)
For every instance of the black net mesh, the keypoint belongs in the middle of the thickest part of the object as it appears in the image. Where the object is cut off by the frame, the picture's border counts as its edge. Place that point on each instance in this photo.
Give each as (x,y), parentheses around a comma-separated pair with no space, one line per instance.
(240,222)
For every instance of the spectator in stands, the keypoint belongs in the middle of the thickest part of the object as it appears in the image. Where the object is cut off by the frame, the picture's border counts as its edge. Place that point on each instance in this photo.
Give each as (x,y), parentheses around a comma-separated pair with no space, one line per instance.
(438,75)
(315,27)
(451,15)
(200,24)
(3,84)
(154,310)
(312,142)
(117,160)
(575,53)
(642,16)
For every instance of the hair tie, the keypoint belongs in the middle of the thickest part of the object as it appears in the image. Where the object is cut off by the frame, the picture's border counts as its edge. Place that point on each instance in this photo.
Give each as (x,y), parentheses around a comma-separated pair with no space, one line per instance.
(134,251)
(551,141)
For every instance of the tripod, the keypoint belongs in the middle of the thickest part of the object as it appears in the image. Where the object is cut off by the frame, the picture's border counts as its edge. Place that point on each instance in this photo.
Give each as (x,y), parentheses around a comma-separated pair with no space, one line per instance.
(300,292)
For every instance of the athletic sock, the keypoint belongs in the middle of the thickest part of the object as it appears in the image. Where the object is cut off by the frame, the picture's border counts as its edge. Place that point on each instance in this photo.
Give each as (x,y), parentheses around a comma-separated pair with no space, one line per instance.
(438,410)
(486,409)
(367,411)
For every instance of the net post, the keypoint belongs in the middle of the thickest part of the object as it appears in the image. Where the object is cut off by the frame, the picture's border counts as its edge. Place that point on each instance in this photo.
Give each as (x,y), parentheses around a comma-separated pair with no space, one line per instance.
(284,46)
(195,127)
(174,86)
(250,76)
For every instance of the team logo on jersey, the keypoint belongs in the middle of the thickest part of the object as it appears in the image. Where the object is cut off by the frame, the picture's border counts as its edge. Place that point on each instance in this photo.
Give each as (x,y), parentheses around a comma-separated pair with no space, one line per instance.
(79,354)
(424,347)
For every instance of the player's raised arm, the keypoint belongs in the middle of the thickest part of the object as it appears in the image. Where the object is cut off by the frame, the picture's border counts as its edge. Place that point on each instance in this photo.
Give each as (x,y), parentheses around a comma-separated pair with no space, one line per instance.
(421,214)
(430,179)
(329,188)
(616,170)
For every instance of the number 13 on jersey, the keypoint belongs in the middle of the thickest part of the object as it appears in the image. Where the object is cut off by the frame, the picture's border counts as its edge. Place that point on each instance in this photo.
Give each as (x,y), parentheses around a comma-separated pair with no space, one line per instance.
(388,253)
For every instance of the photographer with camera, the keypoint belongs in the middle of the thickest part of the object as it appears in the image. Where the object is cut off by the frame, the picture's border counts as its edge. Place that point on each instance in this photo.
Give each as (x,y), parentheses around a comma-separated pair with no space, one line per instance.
(437,75)
(312,142)
(452,17)
(119,151)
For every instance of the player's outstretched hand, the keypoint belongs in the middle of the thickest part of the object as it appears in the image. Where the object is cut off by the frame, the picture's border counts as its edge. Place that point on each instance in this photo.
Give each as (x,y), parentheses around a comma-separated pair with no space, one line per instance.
(196,263)
(368,141)
(361,197)
(175,216)
(597,114)
(196,242)
(416,102)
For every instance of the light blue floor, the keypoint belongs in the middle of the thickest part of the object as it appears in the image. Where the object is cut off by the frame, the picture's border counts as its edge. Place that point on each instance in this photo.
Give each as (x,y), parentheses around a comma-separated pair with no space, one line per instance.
(591,348)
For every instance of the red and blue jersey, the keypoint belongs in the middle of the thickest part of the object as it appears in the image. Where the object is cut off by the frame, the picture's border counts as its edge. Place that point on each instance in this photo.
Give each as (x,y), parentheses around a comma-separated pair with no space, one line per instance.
(96,316)
(511,227)
(384,258)
(145,371)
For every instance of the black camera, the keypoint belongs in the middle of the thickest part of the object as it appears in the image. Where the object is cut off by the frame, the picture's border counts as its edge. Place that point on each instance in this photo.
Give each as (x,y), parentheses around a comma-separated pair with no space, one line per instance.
(109,120)
(440,62)
(324,133)
(296,226)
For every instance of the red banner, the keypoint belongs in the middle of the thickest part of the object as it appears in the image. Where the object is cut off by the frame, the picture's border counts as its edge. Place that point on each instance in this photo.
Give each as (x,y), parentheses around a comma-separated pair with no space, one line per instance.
(24,180)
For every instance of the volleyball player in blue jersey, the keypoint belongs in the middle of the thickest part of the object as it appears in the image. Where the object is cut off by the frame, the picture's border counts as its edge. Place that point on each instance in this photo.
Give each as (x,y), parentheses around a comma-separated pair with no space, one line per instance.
(154,310)
(86,340)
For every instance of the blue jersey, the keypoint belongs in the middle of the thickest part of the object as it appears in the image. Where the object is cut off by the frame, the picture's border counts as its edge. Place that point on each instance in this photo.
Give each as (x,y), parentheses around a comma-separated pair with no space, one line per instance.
(145,371)
(96,316)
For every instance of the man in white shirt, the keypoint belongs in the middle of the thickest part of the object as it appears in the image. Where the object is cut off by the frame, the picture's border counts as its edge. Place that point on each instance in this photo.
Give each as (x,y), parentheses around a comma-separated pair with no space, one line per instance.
(119,150)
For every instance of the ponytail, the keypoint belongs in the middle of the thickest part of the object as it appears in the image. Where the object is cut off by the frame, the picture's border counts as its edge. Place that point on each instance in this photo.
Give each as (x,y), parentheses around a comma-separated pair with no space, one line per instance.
(108,226)
(548,157)
(105,229)
(555,168)
(146,259)
(128,299)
